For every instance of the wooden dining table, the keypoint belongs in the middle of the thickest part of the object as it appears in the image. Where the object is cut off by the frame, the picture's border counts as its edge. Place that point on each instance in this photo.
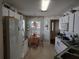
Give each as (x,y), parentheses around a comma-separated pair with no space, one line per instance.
(34,41)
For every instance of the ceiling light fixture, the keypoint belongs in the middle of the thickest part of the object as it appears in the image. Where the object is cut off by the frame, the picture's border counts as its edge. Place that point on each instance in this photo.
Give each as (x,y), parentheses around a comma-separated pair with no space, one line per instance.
(44,5)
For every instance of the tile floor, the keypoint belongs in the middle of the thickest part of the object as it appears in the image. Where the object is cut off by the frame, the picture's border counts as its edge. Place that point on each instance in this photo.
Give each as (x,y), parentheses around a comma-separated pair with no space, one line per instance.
(46,52)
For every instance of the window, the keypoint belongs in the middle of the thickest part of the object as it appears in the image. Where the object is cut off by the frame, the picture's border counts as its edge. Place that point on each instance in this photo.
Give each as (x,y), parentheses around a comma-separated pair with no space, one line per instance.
(35,24)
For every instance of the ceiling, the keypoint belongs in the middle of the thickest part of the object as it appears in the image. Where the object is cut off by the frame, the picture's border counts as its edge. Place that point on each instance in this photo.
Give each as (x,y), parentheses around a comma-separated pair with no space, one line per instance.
(33,7)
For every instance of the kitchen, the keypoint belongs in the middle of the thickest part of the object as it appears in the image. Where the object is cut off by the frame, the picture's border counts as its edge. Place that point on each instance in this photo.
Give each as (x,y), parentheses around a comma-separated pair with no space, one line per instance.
(67,40)
(24,20)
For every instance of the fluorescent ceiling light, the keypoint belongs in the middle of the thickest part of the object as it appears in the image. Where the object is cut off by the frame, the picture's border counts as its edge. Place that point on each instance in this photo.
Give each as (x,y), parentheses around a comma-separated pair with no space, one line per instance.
(45,4)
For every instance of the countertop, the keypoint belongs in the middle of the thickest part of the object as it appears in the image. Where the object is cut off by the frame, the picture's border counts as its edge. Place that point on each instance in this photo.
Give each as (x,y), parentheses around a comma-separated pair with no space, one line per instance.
(69,45)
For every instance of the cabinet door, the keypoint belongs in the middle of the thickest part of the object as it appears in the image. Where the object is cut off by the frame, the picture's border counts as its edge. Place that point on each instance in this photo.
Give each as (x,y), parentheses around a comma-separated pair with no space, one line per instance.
(21,17)
(17,16)
(5,11)
(60,22)
(63,25)
(65,19)
(76,24)
(11,13)
(71,22)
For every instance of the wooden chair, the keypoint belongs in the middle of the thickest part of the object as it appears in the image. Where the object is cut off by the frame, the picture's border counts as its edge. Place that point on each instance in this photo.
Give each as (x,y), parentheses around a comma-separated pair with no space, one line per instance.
(33,41)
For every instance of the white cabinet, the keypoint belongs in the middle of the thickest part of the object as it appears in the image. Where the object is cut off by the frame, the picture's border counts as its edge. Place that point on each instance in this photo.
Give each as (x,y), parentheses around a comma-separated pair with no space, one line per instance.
(11,13)
(71,22)
(21,17)
(5,11)
(60,22)
(65,19)
(76,24)
(63,23)
(59,46)
(17,16)
(64,27)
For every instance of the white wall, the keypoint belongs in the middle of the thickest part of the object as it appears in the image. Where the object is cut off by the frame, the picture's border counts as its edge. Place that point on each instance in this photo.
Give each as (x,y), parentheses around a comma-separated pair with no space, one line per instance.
(31,30)
(44,32)
(47,31)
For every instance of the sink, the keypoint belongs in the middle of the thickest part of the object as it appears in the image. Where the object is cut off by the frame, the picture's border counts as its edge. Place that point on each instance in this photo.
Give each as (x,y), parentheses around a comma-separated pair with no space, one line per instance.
(73,51)
(69,56)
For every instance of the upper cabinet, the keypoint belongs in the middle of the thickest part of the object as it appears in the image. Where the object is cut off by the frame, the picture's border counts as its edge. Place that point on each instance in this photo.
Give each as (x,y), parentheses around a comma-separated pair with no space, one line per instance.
(63,23)
(72,19)
(76,24)
(65,19)
(17,16)
(21,17)
(5,11)
(60,22)
(71,22)
(11,13)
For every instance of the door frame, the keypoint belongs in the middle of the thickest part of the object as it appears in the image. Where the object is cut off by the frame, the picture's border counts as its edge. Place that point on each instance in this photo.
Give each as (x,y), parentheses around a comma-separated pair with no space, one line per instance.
(52,20)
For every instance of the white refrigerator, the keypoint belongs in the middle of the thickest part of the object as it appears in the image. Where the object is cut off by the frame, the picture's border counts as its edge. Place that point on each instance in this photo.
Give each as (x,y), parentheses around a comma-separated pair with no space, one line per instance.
(13,35)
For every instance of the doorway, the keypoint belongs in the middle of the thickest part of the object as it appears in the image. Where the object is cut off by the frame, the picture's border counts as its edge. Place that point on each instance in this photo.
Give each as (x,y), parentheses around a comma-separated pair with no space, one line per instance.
(54,28)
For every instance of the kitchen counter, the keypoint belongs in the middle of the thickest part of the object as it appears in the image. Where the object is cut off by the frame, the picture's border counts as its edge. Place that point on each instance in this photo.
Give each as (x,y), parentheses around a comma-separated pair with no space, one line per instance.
(69,45)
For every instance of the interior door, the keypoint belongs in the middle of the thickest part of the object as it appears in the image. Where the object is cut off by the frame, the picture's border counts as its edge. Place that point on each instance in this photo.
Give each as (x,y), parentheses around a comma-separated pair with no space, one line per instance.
(54,28)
